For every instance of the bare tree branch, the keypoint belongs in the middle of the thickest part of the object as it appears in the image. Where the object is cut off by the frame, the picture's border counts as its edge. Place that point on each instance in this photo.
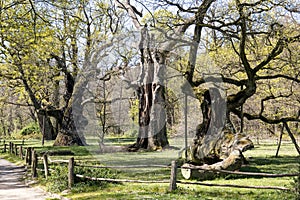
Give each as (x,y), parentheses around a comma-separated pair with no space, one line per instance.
(131,11)
(276,76)
(265,119)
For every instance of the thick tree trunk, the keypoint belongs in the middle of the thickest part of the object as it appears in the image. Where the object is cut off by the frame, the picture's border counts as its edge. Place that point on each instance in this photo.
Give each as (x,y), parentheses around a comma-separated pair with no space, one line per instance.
(70,132)
(152,119)
(216,137)
(71,116)
(152,115)
(145,104)
(46,126)
(158,118)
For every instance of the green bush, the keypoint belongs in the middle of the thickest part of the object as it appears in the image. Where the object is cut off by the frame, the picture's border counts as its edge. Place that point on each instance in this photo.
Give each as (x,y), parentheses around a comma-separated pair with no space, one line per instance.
(32,128)
(31,131)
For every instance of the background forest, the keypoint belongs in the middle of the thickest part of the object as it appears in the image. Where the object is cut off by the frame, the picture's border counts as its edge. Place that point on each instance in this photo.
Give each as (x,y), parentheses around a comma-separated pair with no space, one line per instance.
(76,69)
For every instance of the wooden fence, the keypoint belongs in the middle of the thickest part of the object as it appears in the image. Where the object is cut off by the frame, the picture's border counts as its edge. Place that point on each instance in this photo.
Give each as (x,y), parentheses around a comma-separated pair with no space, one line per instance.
(31,158)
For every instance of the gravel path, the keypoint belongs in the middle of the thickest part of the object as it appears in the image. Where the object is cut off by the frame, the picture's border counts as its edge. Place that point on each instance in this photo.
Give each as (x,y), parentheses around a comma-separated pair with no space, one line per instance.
(13,188)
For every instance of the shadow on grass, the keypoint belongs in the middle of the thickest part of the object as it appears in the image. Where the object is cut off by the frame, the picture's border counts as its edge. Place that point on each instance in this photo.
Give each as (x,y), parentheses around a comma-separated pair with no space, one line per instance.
(286,164)
(76,150)
(277,160)
(272,165)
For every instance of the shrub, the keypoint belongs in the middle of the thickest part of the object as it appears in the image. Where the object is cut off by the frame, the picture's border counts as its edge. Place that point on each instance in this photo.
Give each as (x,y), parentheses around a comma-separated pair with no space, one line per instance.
(30,129)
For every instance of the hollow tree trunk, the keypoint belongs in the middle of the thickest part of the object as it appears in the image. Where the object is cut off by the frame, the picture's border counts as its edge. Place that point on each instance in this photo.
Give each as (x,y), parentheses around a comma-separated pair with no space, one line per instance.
(158,131)
(216,138)
(152,118)
(152,115)
(145,104)
(216,133)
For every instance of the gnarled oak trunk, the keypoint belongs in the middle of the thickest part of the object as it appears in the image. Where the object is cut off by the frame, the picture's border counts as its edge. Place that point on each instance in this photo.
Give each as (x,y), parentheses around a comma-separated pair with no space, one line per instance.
(151,92)
(216,137)
(68,134)
(71,116)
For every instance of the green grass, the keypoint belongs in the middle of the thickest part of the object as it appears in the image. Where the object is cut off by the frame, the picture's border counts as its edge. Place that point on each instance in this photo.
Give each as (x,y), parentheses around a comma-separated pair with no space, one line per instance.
(160,191)
(261,159)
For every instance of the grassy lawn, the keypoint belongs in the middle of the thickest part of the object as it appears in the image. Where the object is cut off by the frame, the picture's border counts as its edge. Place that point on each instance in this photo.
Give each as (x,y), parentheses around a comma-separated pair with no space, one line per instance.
(261,159)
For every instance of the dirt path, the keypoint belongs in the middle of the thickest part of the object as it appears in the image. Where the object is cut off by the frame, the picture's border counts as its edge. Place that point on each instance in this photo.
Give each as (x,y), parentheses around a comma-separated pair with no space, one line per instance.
(12,187)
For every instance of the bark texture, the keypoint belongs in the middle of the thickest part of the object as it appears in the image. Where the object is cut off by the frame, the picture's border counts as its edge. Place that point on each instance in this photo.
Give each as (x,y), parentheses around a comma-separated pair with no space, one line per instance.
(216,137)
(46,126)
(151,93)
(70,116)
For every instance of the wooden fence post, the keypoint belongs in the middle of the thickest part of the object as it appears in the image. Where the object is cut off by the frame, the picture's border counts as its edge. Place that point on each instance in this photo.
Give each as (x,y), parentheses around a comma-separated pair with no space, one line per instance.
(173,178)
(4,150)
(21,151)
(28,155)
(71,172)
(16,149)
(46,166)
(10,147)
(34,164)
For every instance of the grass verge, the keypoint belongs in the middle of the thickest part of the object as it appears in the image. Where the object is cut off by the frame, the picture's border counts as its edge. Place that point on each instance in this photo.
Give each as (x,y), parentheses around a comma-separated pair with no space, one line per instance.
(261,159)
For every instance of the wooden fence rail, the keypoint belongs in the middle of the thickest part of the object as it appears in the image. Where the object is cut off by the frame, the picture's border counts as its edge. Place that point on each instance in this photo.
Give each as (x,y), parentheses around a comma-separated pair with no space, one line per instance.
(119,180)
(31,159)
(124,167)
(266,175)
